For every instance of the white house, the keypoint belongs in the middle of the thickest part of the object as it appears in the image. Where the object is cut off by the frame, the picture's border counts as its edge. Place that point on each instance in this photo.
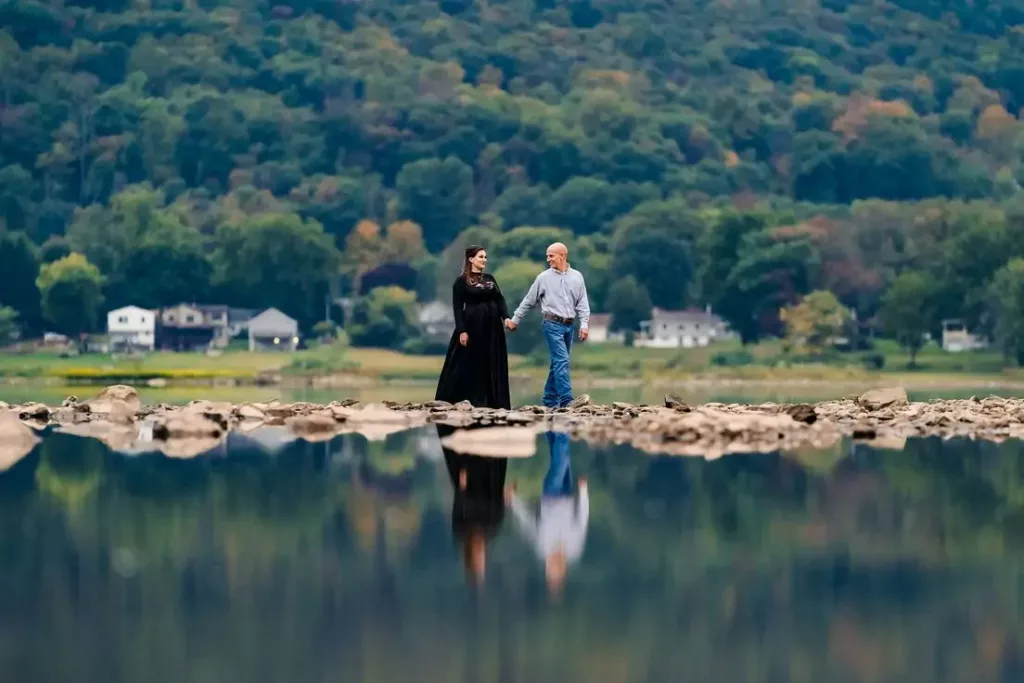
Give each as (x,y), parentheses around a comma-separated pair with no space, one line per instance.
(272,330)
(956,337)
(599,329)
(131,327)
(686,329)
(437,320)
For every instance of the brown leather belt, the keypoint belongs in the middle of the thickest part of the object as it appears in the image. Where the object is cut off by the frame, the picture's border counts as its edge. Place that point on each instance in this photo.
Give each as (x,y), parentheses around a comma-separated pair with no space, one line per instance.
(558,319)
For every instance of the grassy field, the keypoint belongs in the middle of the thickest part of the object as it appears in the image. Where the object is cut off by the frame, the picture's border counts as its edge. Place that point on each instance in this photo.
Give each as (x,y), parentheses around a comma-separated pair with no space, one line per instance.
(764,361)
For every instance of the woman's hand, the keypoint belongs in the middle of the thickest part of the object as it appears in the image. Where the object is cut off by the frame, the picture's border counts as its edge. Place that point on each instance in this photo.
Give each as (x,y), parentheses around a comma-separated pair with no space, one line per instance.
(464,338)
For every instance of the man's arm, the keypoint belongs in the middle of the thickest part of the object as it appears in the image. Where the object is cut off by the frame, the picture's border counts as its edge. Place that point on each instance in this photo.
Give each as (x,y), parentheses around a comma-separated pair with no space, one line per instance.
(528,302)
(583,309)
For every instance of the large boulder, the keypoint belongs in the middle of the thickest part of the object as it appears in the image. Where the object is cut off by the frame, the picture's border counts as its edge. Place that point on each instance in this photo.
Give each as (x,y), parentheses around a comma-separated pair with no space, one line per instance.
(877,399)
(16,440)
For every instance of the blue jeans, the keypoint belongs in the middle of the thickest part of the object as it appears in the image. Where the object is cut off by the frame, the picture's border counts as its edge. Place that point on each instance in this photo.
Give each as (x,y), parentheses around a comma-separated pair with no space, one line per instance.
(558,388)
(558,481)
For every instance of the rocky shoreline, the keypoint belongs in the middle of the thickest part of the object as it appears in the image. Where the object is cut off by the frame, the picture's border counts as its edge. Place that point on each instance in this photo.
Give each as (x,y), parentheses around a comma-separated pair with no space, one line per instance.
(119,418)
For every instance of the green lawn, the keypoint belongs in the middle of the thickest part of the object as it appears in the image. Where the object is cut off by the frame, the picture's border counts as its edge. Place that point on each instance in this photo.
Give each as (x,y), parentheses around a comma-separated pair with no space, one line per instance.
(761,361)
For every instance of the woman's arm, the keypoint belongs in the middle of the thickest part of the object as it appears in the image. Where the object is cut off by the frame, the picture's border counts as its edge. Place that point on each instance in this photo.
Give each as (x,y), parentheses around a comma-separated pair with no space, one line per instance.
(502,304)
(458,299)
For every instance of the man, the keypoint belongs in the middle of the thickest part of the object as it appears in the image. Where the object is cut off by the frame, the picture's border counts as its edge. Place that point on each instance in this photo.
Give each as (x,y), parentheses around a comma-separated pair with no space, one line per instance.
(563,299)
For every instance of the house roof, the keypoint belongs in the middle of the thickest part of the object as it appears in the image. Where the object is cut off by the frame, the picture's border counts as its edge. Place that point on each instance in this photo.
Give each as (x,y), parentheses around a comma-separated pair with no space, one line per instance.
(693,315)
(129,309)
(273,322)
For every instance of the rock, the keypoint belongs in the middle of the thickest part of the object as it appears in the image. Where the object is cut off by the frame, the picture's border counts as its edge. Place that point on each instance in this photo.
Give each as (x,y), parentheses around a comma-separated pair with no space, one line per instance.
(69,402)
(622,405)
(463,405)
(110,409)
(876,399)
(674,402)
(802,412)
(121,392)
(16,440)
(249,412)
(4,405)
(34,411)
(579,402)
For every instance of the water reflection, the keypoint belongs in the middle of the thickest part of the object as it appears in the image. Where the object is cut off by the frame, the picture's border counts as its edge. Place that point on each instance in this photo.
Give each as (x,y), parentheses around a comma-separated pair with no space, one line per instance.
(477,508)
(337,561)
(558,529)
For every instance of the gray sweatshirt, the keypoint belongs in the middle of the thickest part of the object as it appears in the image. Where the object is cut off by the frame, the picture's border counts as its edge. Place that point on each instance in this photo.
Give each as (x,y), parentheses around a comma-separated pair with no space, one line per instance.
(561,293)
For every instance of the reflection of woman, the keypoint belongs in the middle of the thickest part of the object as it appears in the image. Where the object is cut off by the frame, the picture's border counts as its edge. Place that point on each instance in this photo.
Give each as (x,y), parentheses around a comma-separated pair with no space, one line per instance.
(476,367)
(478,507)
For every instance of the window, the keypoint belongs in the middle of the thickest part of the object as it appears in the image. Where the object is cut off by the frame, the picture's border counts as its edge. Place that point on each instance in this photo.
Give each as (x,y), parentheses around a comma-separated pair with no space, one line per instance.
(190,318)
(122,319)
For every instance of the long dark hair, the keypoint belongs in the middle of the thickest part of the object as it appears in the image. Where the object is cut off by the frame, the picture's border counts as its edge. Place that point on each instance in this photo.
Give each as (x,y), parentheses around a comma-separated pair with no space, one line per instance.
(467,270)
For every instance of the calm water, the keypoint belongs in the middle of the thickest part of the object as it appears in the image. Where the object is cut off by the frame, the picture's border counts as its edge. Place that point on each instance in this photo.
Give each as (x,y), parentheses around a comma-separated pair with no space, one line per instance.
(523,393)
(354,561)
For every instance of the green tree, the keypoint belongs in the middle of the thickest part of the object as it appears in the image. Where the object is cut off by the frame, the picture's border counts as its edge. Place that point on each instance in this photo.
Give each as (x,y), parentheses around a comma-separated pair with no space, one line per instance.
(654,244)
(386,318)
(813,324)
(18,281)
(905,311)
(72,292)
(629,304)
(438,195)
(9,328)
(1008,299)
(276,260)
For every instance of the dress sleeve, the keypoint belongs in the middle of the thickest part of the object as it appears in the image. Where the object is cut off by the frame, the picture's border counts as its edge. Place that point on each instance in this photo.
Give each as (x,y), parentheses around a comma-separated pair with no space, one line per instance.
(458,299)
(502,304)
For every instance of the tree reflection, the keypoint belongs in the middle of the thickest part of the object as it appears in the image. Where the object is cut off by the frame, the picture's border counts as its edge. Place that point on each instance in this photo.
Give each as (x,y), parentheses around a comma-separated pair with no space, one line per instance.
(863,565)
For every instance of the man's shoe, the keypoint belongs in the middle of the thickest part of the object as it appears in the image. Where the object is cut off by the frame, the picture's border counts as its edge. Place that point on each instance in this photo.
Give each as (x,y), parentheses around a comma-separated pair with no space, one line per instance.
(579,401)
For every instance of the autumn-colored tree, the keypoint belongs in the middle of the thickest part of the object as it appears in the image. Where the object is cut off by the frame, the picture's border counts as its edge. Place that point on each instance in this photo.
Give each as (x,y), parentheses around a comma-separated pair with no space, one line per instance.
(814,324)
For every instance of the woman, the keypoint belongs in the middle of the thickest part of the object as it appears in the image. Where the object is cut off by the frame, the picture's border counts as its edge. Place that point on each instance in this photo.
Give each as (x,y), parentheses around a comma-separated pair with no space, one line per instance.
(476,367)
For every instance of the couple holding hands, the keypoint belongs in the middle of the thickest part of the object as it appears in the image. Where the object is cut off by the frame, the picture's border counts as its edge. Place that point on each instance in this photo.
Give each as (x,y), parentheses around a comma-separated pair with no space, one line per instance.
(476,366)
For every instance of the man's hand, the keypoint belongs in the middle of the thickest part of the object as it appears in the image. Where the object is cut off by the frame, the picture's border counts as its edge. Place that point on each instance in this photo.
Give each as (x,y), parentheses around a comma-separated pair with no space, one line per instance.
(510,326)
(464,338)
(584,333)
(582,483)
(510,491)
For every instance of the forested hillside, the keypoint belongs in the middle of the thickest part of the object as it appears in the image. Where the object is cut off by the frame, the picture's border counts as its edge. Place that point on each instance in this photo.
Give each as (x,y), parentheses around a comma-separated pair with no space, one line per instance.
(735,153)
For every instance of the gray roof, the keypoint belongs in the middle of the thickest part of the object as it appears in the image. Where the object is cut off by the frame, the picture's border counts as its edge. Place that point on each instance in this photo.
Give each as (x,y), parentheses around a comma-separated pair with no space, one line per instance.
(273,322)
(659,315)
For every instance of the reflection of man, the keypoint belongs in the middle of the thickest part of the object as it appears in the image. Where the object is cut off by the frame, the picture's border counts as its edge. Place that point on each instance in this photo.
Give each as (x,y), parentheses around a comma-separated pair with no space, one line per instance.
(559,530)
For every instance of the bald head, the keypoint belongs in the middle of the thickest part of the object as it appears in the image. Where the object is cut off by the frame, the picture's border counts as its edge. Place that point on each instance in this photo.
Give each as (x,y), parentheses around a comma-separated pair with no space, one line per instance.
(557,256)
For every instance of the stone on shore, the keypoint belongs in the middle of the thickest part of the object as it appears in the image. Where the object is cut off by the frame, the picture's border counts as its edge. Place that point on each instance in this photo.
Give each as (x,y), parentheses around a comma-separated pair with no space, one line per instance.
(16,439)
(876,399)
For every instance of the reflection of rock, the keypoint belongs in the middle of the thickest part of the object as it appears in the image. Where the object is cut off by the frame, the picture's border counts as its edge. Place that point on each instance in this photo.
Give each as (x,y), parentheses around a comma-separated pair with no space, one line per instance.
(494,442)
(118,437)
(16,440)
(188,447)
(185,427)
(34,411)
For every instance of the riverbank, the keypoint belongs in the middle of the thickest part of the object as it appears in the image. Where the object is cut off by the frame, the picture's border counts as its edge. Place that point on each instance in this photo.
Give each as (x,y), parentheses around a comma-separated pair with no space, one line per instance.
(885,416)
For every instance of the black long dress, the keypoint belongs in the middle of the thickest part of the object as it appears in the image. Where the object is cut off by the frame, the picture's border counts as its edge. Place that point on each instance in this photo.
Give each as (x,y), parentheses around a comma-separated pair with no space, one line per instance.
(477,372)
